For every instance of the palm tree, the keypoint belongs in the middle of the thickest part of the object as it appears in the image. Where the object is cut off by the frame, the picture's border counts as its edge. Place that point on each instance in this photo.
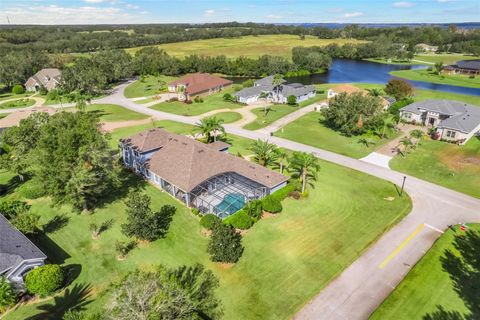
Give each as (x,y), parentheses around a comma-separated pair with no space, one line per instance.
(406,143)
(208,125)
(417,134)
(282,156)
(217,126)
(374,92)
(265,153)
(276,82)
(365,141)
(304,166)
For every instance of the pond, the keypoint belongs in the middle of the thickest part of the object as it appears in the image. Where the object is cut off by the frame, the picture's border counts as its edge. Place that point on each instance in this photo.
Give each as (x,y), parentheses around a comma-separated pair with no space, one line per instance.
(348,71)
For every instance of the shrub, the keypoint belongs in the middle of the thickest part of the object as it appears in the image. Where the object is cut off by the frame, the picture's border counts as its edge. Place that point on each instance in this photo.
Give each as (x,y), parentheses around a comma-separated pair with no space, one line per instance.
(44,280)
(32,189)
(248,83)
(227,97)
(7,295)
(284,192)
(173,99)
(11,208)
(254,209)
(195,211)
(225,244)
(198,99)
(208,220)
(272,205)
(294,194)
(43,91)
(18,89)
(237,87)
(188,101)
(239,220)
(291,100)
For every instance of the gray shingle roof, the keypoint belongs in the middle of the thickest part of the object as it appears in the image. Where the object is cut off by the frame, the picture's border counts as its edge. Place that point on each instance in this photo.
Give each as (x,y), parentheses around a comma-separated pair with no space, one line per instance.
(15,246)
(252,91)
(462,116)
(295,89)
(267,81)
(468,64)
(265,85)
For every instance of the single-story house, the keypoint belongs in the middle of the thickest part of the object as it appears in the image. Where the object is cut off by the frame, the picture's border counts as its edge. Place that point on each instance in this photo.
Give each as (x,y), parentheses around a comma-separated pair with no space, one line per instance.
(454,120)
(349,89)
(423,47)
(195,84)
(47,78)
(18,255)
(203,176)
(463,67)
(279,94)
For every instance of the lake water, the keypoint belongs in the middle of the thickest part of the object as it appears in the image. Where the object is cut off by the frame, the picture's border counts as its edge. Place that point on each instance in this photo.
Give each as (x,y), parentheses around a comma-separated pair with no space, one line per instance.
(345,71)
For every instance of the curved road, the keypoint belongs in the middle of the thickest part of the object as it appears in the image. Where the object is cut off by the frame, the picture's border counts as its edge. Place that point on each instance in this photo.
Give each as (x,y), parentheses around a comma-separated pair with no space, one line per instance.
(360,289)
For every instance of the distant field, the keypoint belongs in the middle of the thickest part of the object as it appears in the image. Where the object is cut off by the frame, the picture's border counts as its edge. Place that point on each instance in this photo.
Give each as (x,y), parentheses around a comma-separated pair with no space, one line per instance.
(429,59)
(248,46)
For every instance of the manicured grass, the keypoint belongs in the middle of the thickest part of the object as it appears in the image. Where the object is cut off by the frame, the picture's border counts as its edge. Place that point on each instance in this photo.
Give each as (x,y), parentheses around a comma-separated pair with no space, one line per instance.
(428,59)
(210,103)
(276,112)
(247,46)
(446,164)
(9,95)
(20,103)
(308,129)
(428,76)
(426,286)
(228,117)
(296,253)
(113,112)
(148,87)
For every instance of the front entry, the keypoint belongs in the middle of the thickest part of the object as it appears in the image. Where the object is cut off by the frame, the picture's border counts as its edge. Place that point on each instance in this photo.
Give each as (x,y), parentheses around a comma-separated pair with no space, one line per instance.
(431,121)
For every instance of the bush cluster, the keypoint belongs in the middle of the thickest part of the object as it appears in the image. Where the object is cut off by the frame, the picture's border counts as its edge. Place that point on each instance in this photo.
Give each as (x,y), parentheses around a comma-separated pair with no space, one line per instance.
(44,280)
(208,220)
(225,244)
(271,204)
(239,220)
(18,89)
(283,193)
(198,99)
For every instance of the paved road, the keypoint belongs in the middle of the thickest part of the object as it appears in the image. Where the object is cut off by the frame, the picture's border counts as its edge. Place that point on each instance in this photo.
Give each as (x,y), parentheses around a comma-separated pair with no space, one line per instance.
(359,290)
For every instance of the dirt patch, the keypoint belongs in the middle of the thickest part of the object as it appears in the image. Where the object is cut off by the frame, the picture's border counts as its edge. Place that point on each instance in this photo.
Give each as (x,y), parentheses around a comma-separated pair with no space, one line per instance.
(143,243)
(456,160)
(267,215)
(241,231)
(206,232)
(226,265)
(389,198)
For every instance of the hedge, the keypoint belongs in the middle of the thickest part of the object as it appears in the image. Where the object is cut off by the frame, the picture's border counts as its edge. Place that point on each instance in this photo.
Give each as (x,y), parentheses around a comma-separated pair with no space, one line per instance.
(239,220)
(282,194)
(208,220)
(271,204)
(44,280)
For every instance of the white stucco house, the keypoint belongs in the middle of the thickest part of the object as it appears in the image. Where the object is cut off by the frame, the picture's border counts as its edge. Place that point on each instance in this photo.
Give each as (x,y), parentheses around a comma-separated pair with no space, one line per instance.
(454,120)
(278,94)
(18,255)
(47,78)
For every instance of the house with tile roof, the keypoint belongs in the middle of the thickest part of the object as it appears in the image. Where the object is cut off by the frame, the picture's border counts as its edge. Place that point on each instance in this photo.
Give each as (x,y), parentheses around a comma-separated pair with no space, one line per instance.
(454,120)
(47,78)
(197,84)
(18,255)
(279,94)
(203,176)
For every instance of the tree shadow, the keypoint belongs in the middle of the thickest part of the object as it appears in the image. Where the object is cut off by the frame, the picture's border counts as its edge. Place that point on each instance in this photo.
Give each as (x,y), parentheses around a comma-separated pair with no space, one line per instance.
(105,226)
(11,185)
(56,223)
(75,298)
(464,270)
(71,272)
(55,253)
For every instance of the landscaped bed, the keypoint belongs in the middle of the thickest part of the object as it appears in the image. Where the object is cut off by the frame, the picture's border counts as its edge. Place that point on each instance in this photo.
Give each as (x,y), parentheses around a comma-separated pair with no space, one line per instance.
(210,103)
(297,252)
(446,164)
(426,286)
(20,103)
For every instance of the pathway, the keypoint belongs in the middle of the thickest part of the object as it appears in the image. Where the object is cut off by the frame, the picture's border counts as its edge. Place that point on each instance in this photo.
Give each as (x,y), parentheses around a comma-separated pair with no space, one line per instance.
(360,289)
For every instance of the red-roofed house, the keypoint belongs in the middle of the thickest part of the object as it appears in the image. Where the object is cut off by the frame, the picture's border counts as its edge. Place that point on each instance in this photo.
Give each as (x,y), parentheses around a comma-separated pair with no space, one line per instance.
(195,84)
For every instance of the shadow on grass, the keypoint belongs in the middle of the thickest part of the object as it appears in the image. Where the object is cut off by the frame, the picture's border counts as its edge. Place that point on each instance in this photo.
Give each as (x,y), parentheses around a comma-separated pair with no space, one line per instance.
(75,298)
(12,184)
(54,252)
(56,223)
(464,270)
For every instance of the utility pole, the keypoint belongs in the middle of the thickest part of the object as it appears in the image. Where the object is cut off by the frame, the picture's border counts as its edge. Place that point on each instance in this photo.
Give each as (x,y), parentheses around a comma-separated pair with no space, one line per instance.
(403,184)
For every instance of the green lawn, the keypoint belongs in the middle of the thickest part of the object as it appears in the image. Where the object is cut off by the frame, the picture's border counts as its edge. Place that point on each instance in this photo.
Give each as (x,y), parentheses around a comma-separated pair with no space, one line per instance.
(228,117)
(9,95)
(428,76)
(210,103)
(426,286)
(428,59)
(309,130)
(247,46)
(20,103)
(446,164)
(113,112)
(287,259)
(148,87)
(277,111)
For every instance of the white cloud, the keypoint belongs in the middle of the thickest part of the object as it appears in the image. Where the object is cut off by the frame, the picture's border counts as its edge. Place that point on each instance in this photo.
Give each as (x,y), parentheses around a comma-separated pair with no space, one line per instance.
(403,4)
(93,1)
(132,6)
(352,14)
(209,13)
(444,1)
(273,16)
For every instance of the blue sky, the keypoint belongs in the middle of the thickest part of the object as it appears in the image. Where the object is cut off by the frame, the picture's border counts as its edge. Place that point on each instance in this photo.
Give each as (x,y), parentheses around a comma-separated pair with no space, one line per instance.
(198,11)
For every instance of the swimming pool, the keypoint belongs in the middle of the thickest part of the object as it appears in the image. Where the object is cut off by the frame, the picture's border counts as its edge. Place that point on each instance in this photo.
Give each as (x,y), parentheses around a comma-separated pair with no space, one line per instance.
(230,204)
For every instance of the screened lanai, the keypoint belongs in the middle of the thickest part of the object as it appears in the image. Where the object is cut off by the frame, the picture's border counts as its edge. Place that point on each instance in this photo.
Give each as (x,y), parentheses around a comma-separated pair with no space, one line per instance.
(225,194)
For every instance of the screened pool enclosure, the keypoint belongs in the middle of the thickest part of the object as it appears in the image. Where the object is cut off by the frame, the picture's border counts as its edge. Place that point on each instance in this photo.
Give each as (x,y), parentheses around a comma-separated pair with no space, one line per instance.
(225,194)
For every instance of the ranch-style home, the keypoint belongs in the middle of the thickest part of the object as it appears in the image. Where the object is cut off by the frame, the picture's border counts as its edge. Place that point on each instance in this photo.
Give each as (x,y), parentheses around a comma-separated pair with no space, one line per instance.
(18,255)
(203,176)
(454,120)
(47,78)
(471,67)
(279,94)
(196,84)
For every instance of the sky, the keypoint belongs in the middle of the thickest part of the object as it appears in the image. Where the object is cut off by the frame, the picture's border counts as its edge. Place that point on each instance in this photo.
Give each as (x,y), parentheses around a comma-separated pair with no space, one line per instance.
(270,11)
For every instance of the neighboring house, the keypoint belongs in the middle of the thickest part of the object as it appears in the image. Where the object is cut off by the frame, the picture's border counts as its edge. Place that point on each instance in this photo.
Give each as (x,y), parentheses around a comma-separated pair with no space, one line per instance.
(454,120)
(47,78)
(349,89)
(195,84)
(18,254)
(463,67)
(203,176)
(423,47)
(279,94)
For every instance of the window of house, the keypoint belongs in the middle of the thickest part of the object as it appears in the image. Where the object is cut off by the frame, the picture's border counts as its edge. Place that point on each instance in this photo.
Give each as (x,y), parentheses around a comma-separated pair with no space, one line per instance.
(408,115)
(451,134)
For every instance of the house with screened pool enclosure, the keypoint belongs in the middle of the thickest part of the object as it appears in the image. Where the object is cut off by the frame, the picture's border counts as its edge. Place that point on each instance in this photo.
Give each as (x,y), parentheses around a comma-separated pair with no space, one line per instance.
(203,176)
